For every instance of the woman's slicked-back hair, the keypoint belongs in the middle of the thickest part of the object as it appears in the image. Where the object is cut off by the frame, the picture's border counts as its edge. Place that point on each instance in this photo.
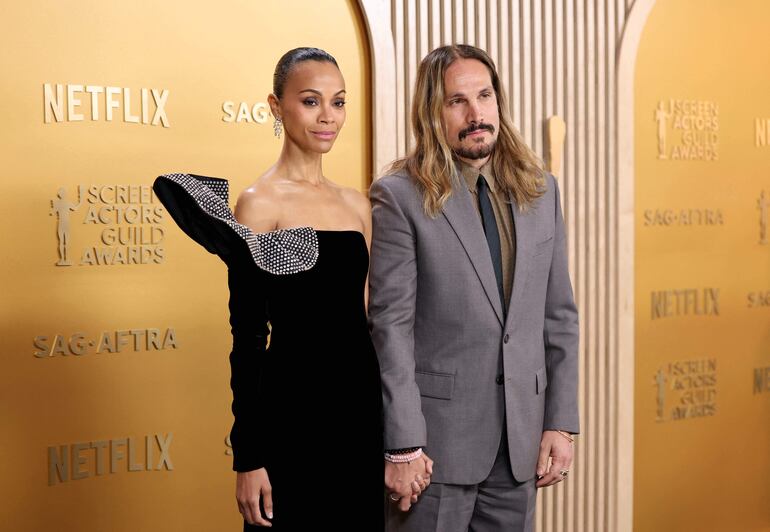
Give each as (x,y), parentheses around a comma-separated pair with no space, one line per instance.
(293,57)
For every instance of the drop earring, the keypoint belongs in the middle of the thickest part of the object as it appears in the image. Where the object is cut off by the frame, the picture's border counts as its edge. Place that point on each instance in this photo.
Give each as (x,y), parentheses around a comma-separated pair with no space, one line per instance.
(277,128)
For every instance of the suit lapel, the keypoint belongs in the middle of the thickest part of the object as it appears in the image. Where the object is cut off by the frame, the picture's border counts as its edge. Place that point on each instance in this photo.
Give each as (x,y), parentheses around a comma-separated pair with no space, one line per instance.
(465,221)
(522,225)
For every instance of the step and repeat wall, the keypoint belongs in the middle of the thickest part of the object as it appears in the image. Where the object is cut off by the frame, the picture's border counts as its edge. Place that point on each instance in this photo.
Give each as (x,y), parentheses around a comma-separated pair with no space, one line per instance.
(114,394)
(702,116)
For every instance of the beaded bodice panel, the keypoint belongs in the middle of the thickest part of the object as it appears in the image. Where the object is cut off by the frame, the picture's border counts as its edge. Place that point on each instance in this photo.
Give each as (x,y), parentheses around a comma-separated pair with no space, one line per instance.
(280,252)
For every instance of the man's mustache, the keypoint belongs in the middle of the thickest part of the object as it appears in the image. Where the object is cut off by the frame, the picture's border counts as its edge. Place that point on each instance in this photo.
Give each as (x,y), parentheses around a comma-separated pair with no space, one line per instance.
(475,127)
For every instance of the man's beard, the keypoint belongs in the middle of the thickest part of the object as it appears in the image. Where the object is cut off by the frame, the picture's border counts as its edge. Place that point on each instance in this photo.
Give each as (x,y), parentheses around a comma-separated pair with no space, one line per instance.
(481,151)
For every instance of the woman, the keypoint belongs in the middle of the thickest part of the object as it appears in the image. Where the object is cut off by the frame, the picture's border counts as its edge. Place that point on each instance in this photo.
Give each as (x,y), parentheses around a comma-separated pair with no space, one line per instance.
(307,437)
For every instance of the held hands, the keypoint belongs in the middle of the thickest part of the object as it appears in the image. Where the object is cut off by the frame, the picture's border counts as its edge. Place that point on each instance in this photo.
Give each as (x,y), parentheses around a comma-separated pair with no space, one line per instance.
(406,481)
(249,488)
(555,447)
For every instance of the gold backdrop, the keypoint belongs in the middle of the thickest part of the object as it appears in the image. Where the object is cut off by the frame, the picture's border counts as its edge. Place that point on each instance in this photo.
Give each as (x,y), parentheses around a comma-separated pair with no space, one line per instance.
(702,450)
(114,397)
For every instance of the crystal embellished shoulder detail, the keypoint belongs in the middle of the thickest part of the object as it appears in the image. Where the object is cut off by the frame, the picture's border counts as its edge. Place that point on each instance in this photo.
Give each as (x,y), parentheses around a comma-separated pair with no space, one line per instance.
(280,252)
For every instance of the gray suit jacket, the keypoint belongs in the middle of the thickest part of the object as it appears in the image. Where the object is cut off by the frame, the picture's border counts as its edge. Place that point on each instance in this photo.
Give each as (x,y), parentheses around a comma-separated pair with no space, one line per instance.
(439,330)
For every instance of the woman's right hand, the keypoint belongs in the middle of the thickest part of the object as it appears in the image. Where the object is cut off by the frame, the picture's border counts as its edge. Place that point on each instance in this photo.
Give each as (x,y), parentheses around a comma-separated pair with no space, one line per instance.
(249,488)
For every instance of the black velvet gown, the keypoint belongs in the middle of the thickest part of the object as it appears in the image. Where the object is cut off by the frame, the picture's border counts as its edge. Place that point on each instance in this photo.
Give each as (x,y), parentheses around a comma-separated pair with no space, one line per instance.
(308,407)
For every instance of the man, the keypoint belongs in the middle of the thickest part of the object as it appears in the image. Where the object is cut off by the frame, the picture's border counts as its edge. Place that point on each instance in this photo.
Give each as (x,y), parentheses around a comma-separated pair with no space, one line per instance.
(471,311)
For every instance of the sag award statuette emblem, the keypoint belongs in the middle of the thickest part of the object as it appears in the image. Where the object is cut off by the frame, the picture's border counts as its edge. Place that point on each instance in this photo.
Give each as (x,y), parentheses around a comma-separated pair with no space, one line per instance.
(660,382)
(661,117)
(62,208)
(555,130)
(762,204)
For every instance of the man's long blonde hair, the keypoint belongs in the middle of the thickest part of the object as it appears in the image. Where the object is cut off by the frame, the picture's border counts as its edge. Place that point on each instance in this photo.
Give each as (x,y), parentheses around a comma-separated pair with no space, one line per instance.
(516,167)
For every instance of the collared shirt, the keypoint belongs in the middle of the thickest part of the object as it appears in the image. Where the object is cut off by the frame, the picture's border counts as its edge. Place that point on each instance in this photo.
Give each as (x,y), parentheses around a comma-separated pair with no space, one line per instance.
(501,205)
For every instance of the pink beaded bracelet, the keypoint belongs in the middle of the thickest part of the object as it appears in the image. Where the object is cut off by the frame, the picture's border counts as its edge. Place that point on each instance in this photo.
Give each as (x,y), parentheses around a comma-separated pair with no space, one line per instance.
(403,458)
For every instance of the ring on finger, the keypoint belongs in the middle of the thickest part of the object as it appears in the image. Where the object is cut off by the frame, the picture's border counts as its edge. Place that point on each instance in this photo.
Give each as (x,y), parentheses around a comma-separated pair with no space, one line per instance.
(394,499)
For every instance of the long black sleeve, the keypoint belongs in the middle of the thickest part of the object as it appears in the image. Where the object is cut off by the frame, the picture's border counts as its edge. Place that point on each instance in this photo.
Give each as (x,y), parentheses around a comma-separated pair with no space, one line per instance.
(198,204)
(248,321)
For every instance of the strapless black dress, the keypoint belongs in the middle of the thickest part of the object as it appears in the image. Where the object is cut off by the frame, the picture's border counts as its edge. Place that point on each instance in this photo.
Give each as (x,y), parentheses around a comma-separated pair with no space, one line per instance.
(308,407)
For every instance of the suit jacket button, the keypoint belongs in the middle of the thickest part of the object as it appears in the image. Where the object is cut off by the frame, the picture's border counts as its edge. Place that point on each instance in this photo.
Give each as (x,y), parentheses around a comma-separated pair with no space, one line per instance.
(500,379)
(506,338)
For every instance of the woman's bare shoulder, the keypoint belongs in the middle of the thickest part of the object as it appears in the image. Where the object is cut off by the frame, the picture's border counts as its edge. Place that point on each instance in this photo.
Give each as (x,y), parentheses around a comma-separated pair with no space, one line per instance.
(258,206)
(356,199)
(359,204)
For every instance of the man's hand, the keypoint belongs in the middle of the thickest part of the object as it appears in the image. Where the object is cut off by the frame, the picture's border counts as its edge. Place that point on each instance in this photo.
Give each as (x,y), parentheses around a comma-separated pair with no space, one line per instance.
(249,487)
(559,449)
(405,482)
